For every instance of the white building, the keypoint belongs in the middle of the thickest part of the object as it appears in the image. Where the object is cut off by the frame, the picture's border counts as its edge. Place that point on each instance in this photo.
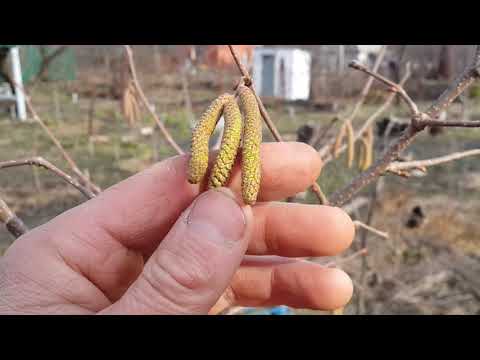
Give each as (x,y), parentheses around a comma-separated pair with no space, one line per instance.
(282,73)
(367,50)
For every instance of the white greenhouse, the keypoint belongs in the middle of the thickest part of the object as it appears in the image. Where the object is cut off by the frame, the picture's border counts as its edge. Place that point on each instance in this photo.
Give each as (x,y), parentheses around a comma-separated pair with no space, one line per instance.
(283,73)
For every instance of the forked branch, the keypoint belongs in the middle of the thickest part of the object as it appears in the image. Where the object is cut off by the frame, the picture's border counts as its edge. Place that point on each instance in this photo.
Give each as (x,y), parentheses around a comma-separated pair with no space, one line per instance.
(41,162)
(466,79)
(59,146)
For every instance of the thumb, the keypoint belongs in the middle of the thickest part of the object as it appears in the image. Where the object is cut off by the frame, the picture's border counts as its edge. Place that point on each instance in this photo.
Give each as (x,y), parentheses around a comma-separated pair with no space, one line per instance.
(195,262)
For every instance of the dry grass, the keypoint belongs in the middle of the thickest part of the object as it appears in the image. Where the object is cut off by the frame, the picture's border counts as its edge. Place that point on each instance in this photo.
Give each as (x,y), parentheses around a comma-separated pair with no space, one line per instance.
(398,265)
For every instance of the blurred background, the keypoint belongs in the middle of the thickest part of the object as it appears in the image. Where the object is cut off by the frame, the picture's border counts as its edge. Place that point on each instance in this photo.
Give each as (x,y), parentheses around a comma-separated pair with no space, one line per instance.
(430,264)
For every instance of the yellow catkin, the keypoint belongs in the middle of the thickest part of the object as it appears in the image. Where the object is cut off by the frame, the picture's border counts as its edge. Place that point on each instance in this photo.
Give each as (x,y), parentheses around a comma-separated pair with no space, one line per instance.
(198,164)
(232,136)
(361,153)
(351,145)
(252,139)
(367,155)
(369,138)
(339,140)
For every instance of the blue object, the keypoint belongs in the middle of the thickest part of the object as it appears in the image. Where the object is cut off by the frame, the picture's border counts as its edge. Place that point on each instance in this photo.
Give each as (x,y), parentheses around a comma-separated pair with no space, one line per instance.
(281,310)
(276,311)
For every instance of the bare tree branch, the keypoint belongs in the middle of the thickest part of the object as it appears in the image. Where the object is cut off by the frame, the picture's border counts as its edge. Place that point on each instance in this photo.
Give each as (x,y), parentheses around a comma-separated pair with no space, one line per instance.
(41,162)
(57,143)
(363,96)
(380,166)
(14,225)
(367,86)
(361,252)
(371,229)
(393,87)
(327,156)
(467,124)
(46,60)
(419,164)
(166,134)
(321,133)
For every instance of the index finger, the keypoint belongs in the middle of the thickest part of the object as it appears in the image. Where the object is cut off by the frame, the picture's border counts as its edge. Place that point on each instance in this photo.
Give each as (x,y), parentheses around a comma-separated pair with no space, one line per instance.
(140,211)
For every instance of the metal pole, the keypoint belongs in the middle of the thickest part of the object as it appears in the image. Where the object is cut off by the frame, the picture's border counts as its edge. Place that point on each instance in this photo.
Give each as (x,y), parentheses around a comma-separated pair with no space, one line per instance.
(18,82)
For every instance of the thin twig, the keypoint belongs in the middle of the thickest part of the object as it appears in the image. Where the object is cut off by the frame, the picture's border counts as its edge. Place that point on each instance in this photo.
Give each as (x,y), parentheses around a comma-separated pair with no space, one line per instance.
(466,79)
(401,166)
(59,146)
(320,133)
(13,223)
(367,86)
(393,87)
(41,162)
(166,134)
(247,80)
(327,156)
(361,100)
(467,124)
(347,259)
(371,229)
(46,60)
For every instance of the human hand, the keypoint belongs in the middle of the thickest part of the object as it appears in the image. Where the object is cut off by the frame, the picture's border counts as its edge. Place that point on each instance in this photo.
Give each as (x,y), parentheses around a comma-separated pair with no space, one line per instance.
(153,245)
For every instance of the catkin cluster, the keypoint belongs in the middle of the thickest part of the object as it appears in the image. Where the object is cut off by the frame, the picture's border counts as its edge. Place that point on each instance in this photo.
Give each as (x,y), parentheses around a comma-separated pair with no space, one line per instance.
(239,120)
(365,153)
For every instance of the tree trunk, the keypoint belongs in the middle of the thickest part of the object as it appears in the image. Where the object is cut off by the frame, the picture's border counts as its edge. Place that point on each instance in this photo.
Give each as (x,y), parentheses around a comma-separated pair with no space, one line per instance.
(445,66)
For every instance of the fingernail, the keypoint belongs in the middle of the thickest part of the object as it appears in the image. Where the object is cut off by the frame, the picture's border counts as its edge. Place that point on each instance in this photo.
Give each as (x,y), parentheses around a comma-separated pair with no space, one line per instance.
(217,215)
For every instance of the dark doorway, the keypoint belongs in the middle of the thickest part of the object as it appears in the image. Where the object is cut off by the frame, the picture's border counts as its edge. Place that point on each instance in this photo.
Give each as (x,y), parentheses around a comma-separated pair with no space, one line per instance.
(268,62)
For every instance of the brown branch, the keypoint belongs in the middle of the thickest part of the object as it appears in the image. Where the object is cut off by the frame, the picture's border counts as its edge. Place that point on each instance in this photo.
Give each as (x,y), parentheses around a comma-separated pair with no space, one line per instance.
(397,88)
(361,100)
(47,59)
(419,164)
(365,126)
(322,198)
(321,133)
(467,124)
(347,259)
(247,80)
(14,224)
(59,146)
(450,94)
(166,134)
(41,162)
(371,229)
(367,86)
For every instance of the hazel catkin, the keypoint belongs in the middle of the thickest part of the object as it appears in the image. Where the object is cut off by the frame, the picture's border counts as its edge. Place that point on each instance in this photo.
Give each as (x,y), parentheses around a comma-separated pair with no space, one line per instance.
(232,136)
(252,138)
(198,164)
